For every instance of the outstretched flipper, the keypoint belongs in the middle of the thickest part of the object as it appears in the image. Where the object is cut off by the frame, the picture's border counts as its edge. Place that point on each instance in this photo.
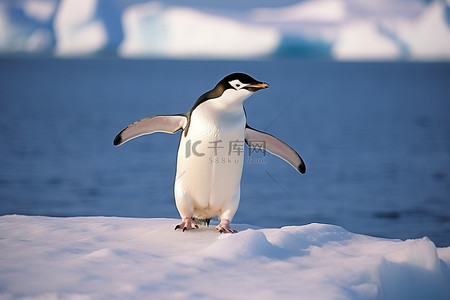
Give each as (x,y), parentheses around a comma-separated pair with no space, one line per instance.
(162,123)
(258,139)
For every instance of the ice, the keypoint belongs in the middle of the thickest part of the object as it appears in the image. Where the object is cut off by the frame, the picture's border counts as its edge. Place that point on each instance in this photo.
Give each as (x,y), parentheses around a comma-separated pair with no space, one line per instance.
(139,20)
(103,258)
(40,10)
(77,30)
(317,11)
(428,37)
(151,30)
(26,28)
(341,29)
(370,30)
(363,40)
(417,36)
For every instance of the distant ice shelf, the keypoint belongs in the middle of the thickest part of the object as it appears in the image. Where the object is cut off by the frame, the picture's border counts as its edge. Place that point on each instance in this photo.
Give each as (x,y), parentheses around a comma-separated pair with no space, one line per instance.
(124,258)
(338,29)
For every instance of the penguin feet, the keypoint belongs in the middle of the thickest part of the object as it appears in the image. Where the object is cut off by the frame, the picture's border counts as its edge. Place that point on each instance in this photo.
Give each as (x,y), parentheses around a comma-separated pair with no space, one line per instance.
(224,227)
(187,224)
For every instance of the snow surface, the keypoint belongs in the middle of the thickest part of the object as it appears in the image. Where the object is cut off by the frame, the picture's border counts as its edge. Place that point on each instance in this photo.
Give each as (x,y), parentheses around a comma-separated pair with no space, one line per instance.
(123,258)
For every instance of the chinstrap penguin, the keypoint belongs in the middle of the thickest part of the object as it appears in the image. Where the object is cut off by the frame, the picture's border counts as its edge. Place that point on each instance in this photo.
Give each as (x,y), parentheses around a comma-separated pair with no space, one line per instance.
(210,152)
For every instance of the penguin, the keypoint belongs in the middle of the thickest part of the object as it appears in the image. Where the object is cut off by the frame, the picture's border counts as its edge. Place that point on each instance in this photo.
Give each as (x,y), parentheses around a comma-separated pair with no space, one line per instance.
(210,150)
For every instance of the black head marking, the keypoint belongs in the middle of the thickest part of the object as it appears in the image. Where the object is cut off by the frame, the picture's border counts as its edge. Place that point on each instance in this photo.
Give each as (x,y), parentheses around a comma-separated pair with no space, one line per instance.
(220,88)
(224,84)
(242,77)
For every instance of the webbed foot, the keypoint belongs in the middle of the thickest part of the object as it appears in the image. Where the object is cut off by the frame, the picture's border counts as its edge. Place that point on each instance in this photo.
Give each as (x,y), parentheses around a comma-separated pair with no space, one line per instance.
(224,227)
(187,224)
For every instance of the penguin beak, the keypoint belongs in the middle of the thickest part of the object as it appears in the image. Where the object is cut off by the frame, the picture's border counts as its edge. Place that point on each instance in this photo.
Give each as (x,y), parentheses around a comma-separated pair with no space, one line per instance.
(257,86)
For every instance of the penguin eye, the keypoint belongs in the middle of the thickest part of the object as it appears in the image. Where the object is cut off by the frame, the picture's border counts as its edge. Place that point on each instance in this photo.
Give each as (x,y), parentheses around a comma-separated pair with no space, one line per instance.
(236,84)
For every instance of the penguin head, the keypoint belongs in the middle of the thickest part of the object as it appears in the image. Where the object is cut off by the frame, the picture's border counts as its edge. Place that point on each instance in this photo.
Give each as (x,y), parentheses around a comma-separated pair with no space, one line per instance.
(244,82)
(233,89)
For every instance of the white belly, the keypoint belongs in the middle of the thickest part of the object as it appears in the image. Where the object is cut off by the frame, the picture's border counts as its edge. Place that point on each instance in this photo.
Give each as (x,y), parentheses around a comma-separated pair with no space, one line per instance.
(209,164)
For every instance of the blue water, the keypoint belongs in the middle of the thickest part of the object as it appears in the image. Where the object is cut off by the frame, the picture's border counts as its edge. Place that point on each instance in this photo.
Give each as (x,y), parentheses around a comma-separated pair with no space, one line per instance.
(375,138)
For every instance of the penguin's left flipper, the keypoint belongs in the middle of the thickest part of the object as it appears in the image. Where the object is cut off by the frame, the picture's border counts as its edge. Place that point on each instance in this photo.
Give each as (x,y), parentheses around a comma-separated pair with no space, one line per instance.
(258,139)
(161,123)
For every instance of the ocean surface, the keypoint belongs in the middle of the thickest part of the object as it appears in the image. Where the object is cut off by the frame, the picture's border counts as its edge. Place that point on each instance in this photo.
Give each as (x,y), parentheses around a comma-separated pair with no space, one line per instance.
(375,138)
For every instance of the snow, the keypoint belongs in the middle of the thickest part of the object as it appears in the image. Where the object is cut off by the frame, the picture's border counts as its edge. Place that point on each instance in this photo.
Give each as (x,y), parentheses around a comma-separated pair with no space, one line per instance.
(77,30)
(40,10)
(39,40)
(124,258)
(138,21)
(414,30)
(362,40)
(318,11)
(28,30)
(368,30)
(428,37)
(181,32)
(422,37)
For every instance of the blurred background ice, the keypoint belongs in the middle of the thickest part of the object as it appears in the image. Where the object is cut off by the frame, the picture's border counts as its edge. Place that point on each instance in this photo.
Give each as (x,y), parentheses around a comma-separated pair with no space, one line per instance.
(338,29)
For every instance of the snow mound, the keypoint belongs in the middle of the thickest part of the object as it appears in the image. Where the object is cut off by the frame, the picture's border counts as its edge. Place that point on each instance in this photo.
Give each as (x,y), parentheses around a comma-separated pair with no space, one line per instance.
(106,258)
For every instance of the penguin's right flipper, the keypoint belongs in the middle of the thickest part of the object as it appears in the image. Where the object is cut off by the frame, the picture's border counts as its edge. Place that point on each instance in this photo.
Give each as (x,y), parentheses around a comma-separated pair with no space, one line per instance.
(161,123)
(258,139)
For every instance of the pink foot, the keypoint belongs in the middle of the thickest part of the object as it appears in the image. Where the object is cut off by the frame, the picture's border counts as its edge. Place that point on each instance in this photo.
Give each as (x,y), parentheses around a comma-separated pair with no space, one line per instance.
(224,227)
(187,224)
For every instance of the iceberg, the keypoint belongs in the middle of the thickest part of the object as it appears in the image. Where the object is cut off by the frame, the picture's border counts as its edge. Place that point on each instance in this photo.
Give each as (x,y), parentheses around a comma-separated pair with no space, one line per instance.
(362,40)
(420,35)
(338,29)
(40,10)
(126,258)
(77,30)
(180,32)
(27,26)
(427,37)
(313,11)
